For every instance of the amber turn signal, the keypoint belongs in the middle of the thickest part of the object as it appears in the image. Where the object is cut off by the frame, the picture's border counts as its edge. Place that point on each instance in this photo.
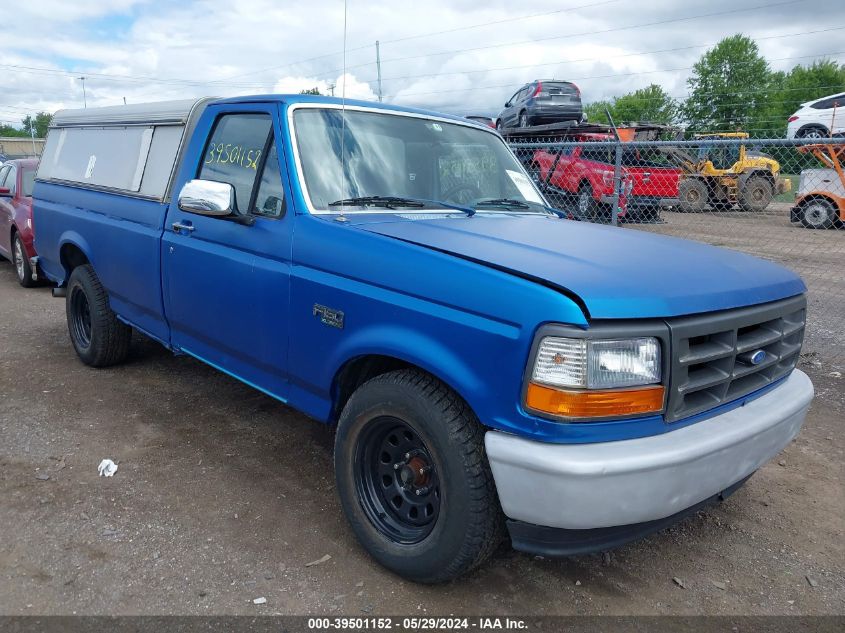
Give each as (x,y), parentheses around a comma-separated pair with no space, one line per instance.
(594,404)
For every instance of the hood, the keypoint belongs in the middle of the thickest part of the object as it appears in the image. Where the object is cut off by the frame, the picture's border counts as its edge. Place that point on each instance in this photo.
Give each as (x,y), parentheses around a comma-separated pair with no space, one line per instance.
(616,273)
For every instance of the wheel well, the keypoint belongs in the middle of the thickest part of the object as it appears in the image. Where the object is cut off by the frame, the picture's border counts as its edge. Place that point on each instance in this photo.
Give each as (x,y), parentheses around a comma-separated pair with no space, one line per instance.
(72,256)
(761,173)
(358,371)
(812,126)
(815,197)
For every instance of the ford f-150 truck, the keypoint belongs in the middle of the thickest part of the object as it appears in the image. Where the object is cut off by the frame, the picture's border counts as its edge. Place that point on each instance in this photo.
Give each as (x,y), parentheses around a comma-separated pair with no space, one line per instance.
(586,173)
(487,363)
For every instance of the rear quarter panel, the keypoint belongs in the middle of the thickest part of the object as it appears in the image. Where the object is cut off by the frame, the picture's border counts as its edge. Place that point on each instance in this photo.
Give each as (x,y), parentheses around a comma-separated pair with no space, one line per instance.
(120,236)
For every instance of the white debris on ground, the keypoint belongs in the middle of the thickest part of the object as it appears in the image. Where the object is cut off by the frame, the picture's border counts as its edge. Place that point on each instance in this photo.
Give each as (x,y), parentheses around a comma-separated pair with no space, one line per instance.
(107,468)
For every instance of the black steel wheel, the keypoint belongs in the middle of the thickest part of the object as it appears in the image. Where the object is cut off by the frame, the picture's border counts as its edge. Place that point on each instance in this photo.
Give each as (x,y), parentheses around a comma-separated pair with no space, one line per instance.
(413,479)
(79,317)
(98,336)
(397,481)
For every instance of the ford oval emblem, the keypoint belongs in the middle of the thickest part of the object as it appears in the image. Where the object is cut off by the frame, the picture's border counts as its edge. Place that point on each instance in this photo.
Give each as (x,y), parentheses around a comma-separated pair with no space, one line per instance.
(757,357)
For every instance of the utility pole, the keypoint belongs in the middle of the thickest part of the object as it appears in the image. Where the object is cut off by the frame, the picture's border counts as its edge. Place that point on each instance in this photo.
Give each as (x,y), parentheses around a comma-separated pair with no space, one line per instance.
(331,89)
(32,135)
(124,100)
(84,98)
(378,69)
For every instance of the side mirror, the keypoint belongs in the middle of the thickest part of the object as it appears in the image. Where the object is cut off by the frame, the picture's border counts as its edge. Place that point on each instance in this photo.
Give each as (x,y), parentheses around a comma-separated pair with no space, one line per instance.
(5,191)
(508,104)
(208,197)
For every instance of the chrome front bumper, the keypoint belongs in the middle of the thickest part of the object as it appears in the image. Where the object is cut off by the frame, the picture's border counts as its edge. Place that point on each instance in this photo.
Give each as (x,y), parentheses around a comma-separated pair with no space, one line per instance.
(585,486)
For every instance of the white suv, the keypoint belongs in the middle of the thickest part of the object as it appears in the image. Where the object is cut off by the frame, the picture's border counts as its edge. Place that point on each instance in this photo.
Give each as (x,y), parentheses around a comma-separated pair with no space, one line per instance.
(818,119)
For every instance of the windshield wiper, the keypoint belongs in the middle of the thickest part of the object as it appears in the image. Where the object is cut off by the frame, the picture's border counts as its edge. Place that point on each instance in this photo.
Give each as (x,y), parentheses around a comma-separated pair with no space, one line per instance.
(513,203)
(389,202)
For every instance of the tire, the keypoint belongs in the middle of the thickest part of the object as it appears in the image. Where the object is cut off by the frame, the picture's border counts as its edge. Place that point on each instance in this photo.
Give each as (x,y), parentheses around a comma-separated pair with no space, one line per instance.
(23,269)
(411,419)
(585,203)
(693,195)
(756,194)
(499,124)
(524,121)
(818,213)
(98,337)
(812,131)
(534,173)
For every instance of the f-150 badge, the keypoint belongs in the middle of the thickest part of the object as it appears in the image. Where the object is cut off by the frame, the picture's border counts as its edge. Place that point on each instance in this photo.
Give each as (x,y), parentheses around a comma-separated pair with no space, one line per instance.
(328,316)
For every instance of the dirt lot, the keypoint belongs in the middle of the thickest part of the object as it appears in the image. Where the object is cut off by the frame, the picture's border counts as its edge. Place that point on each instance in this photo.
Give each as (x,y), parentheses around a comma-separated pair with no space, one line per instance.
(224,495)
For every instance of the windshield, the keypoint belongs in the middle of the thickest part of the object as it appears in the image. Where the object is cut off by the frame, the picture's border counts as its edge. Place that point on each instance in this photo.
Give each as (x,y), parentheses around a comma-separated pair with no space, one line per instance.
(408,157)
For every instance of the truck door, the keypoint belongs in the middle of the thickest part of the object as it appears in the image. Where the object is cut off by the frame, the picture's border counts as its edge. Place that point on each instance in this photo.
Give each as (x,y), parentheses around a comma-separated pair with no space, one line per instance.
(227,284)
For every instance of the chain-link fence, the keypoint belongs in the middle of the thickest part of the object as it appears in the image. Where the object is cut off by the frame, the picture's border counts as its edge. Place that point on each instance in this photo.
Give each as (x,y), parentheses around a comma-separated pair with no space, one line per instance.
(778,199)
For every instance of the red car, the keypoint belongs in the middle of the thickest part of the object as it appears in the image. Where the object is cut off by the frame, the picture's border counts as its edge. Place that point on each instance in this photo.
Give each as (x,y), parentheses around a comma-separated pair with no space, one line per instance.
(586,173)
(16,235)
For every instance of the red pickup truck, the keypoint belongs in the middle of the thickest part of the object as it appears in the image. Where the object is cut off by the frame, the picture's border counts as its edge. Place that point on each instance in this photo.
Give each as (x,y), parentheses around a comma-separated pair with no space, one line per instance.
(586,173)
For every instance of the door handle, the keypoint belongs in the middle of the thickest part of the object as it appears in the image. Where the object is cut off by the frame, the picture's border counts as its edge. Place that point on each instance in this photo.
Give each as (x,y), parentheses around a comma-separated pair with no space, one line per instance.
(178,226)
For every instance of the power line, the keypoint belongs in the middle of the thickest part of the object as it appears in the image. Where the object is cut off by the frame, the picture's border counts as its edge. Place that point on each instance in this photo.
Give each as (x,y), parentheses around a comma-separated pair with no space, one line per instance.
(593,59)
(430,34)
(557,37)
(642,72)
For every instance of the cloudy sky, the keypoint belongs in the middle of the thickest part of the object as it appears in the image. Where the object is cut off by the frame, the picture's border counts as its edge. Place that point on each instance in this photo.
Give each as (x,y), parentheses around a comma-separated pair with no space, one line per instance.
(458,56)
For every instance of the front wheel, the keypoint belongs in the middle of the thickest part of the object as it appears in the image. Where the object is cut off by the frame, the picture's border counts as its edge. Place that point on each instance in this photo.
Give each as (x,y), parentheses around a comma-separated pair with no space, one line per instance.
(23,268)
(413,479)
(98,337)
(693,195)
(756,194)
(818,214)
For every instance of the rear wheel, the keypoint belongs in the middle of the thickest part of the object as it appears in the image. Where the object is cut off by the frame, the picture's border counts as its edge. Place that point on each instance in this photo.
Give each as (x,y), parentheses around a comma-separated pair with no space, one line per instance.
(756,194)
(692,194)
(813,131)
(413,479)
(23,269)
(524,120)
(818,214)
(98,337)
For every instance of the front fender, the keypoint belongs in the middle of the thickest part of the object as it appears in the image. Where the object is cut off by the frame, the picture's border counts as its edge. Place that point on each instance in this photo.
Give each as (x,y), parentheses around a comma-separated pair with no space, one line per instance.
(413,347)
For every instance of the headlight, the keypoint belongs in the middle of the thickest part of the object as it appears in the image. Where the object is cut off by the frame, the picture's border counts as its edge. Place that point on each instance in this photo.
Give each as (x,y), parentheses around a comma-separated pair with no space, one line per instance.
(583,378)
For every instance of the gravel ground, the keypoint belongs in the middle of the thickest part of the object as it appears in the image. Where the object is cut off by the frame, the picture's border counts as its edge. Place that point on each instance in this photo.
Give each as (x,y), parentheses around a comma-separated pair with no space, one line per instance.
(223,495)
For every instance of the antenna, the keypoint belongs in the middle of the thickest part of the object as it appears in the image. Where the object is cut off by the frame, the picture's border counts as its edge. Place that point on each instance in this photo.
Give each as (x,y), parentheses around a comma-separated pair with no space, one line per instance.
(341,218)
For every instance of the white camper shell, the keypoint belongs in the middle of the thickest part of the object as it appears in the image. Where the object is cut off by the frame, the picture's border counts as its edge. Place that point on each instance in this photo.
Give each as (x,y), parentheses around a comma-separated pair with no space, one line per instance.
(131,150)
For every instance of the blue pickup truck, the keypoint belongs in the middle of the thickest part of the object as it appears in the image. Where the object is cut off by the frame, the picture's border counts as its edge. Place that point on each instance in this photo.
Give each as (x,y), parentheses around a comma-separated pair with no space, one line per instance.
(491,367)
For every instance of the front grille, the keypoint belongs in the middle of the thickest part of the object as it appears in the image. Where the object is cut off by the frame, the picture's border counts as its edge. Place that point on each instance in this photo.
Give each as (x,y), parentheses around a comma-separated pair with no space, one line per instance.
(707,364)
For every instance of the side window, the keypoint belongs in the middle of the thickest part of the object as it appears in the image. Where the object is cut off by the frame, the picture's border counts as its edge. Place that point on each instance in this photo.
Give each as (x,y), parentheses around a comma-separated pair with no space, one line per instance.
(270,200)
(4,171)
(513,100)
(234,153)
(826,104)
(12,180)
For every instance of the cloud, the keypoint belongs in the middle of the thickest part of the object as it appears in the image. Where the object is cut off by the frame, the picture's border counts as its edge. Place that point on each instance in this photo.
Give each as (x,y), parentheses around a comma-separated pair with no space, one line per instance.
(344,85)
(149,51)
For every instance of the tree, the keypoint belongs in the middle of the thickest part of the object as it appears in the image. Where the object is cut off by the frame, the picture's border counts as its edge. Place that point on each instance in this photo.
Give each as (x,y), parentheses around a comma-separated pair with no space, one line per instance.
(651,104)
(799,85)
(8,130)
(595,111)
(310,91)
(40,123)
(728,87)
